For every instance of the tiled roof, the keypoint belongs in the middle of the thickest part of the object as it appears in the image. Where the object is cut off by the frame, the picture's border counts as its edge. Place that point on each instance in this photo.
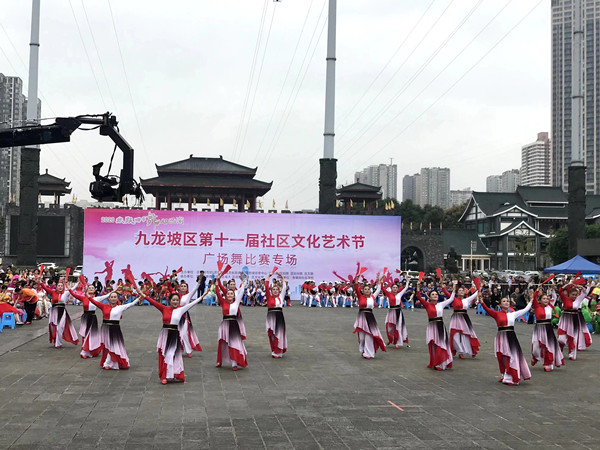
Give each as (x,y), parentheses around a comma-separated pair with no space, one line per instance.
(199,165)
(540,201)
(359,187)
(205,181)
(461,239)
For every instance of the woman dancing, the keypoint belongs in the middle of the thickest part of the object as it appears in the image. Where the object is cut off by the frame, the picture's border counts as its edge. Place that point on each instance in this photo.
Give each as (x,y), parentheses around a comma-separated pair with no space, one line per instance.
(231,345)
(572,329)
(395,326)
(508,351)
(275,320)
(369,336)
(59,323)
(440,356)
(170,362)
(544,346)
(188,336)
(462,336)
(240,292)
(114,355)
(88,330)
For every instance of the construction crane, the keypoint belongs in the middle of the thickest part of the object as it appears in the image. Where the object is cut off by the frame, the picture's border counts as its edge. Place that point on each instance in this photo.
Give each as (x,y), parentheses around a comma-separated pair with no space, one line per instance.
(105,187)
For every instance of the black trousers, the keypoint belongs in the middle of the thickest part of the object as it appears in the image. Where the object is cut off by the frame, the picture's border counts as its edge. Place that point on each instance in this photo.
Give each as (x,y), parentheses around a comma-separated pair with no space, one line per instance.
(29,311)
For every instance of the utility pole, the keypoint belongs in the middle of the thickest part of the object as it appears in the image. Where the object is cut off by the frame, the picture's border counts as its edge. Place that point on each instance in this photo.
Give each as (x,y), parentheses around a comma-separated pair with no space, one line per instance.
(328,169)
(577,176)
(30,156)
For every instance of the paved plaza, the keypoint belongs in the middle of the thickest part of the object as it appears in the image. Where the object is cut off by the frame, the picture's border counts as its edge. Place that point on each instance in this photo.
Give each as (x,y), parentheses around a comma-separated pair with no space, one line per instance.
(323,394)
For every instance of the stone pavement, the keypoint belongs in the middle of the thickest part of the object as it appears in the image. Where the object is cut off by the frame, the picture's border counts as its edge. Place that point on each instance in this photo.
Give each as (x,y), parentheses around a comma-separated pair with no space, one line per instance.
(321,395)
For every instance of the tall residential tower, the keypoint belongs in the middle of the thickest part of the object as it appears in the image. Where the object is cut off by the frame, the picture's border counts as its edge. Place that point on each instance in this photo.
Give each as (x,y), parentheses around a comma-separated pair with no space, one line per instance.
(562,36)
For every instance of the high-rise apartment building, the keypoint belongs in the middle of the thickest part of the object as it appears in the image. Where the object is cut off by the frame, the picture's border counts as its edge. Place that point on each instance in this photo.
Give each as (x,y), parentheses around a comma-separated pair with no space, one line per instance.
(411,188)
(493,183)
(12,113)
(507,182)
(460,196)
(535,162)
(435,187)
(384,175)
(562,37)
(510,180)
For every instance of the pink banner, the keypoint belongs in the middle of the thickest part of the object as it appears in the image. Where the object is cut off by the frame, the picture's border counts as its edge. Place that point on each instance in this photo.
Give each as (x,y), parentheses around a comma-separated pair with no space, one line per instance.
(303,246)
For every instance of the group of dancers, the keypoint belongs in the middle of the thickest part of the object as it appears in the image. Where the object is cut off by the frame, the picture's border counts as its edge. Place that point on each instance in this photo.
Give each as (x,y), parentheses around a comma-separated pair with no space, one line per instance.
(547,349)
(177,335)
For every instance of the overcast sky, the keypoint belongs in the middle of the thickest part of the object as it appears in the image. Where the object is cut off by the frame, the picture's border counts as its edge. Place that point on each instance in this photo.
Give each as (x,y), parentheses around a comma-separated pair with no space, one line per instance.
(460,84)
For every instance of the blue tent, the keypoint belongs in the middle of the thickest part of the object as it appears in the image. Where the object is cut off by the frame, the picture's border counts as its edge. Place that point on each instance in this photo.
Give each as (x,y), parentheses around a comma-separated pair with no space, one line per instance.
(575,265)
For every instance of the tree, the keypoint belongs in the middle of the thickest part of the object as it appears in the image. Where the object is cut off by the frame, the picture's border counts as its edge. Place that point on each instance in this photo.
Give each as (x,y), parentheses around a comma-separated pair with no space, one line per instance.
(451,216)
(433,215)
(558,245)
(409,212)
(592,231)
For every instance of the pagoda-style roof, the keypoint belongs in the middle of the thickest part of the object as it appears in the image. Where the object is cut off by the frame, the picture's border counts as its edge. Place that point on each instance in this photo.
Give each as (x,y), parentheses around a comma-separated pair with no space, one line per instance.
(359,191)
(209,182)
(541,202)
(51,185)
(200,177)
(203,165)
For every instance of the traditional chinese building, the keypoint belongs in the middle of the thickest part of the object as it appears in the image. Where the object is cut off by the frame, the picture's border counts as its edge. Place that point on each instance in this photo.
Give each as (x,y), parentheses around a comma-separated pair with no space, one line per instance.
(49,185)
(515,226)
(210,181)
(358,195)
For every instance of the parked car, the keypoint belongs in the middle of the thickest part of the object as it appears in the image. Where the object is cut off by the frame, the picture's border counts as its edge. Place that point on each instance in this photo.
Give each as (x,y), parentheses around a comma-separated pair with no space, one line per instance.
(48,265)
(533,273)
(77,272)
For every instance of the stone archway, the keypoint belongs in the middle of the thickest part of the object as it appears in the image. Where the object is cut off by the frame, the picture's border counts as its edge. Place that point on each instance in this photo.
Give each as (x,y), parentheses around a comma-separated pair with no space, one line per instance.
(412,258)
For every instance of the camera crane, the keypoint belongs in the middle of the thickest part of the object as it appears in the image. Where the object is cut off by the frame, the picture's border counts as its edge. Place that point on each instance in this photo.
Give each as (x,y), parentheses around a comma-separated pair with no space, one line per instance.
(104,188)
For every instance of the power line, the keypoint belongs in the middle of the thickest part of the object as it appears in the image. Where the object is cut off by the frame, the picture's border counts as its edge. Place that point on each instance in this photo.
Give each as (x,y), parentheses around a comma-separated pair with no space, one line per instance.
(421,41)
(16,72)
(298,82)
(441,71)
(457,81)
(406,85)
(284,82)
(257,82)
(98,54)
(137,122)
(250,78)
(87,55)
(417,23)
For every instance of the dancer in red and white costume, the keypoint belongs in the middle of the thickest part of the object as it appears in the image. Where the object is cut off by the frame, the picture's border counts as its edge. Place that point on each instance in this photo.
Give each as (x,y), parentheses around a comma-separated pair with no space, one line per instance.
(275,321)
(188,336)
(231,345)
(59,323)
(462,336)
(369,336)
(544,346)
(440,356)
(114,355)
(511,361)
(572,329)
(170,362)
(88,330)
(395,326)
(240,292)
